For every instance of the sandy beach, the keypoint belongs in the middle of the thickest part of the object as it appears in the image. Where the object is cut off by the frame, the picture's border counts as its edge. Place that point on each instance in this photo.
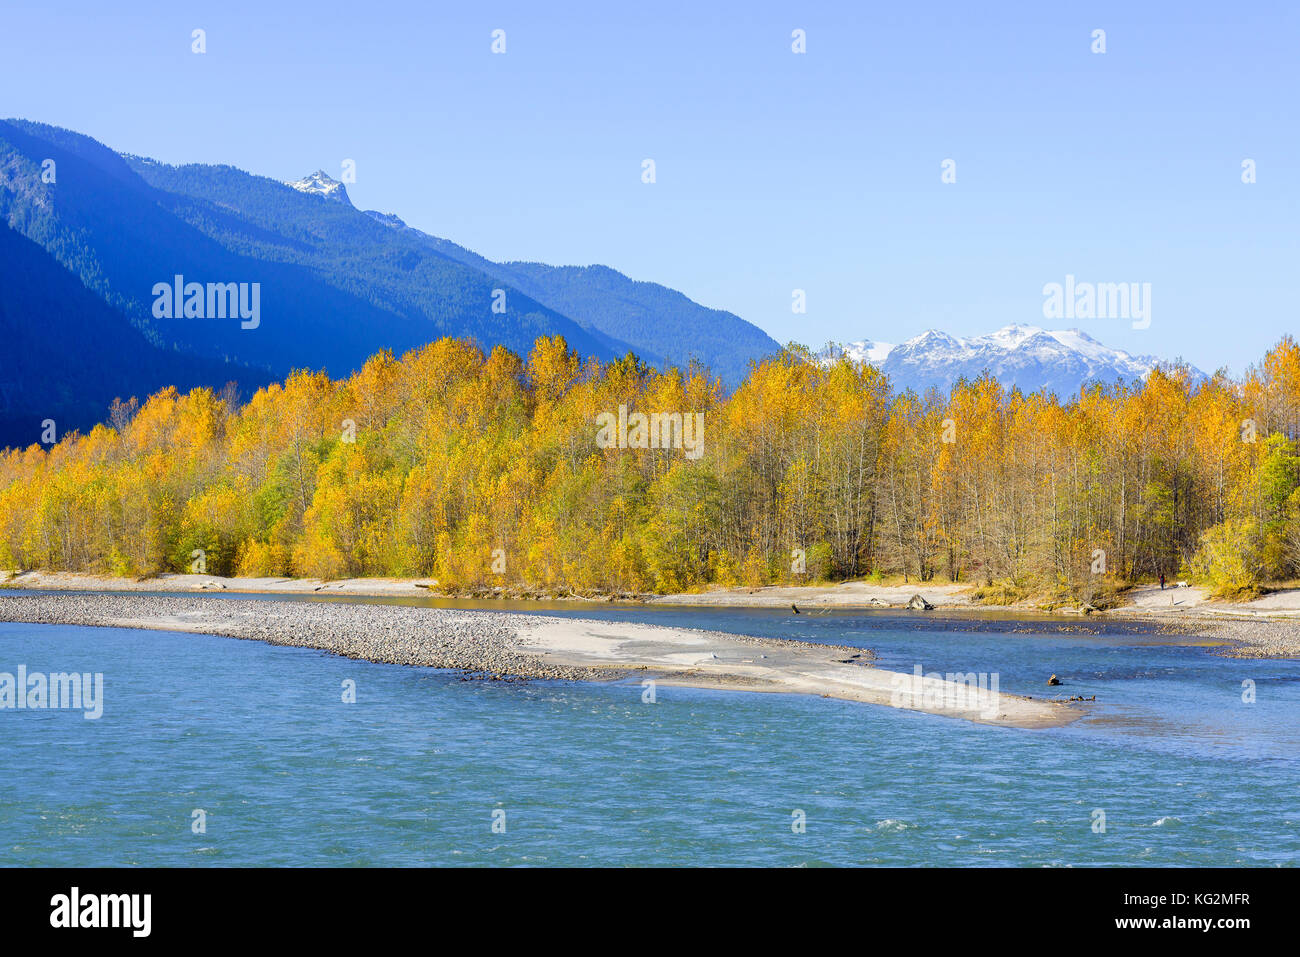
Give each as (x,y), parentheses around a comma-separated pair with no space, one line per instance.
(843,595)
(713,660)
(504,645)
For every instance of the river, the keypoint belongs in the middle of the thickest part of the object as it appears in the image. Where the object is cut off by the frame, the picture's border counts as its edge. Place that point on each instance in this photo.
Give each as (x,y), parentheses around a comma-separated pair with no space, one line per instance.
(1171,766)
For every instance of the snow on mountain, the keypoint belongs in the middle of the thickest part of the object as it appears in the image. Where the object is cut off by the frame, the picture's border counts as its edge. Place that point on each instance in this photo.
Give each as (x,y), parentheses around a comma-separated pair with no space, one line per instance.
(865,350)
(1029,357)
(321,184)
(388,219)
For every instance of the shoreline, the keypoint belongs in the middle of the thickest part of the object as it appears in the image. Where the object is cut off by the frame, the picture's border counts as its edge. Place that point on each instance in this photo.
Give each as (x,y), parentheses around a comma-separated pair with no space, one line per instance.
(1143,599)
(1268,627)
(504,645)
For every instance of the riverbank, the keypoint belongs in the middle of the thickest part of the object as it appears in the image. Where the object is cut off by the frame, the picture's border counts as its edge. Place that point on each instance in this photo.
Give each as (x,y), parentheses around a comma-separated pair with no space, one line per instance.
(1268,627)
(1146,600)
(842,595)
(503,645)
(36,580)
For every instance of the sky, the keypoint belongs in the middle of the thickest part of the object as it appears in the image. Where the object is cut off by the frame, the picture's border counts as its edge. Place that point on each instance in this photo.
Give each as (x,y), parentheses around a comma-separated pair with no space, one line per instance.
(774,170)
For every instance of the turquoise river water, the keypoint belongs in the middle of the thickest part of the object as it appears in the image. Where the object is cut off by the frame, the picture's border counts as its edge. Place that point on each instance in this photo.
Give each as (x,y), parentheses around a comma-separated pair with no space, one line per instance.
(427,768)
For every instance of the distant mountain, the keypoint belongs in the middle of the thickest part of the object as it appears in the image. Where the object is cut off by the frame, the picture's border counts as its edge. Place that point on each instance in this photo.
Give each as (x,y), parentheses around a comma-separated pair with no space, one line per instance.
(333,285)
(1031,358)
(665,326)
(319,184)
(121,236)
(864,350)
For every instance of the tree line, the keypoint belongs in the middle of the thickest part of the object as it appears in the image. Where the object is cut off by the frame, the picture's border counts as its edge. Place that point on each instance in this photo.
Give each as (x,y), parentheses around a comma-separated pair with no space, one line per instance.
(482,469)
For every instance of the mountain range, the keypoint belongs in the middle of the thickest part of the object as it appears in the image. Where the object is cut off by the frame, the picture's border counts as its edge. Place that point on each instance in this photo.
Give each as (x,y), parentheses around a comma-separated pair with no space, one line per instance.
(335,284)
(1033,359)
(96,242)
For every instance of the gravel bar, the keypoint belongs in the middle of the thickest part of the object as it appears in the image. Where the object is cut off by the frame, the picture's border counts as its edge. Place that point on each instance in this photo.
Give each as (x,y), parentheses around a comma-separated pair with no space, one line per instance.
(480,644)
(1245,637)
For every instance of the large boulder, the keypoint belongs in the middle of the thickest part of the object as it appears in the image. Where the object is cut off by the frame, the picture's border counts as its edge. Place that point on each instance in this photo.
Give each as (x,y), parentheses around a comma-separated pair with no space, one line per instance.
(917,603)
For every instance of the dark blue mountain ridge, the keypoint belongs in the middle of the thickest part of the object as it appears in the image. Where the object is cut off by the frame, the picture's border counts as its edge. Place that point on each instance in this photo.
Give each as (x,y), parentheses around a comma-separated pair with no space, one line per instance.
(121,236)
(408,270)
(336,284)
(67,354)
(334,290)
(667,326)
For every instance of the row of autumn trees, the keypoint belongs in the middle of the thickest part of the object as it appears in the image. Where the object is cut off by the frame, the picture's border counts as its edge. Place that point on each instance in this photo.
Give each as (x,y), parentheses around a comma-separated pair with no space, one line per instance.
(479,470)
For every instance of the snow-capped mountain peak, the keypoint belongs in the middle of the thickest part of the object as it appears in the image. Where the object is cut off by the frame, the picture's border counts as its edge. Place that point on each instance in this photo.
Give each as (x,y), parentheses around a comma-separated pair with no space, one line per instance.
(320,183)
(1008,337)
(866,350)
(935,343)
(1028,357)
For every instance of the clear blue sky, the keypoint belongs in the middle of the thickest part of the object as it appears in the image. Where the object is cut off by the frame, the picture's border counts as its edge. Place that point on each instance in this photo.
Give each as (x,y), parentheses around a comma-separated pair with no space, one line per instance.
(775,171)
